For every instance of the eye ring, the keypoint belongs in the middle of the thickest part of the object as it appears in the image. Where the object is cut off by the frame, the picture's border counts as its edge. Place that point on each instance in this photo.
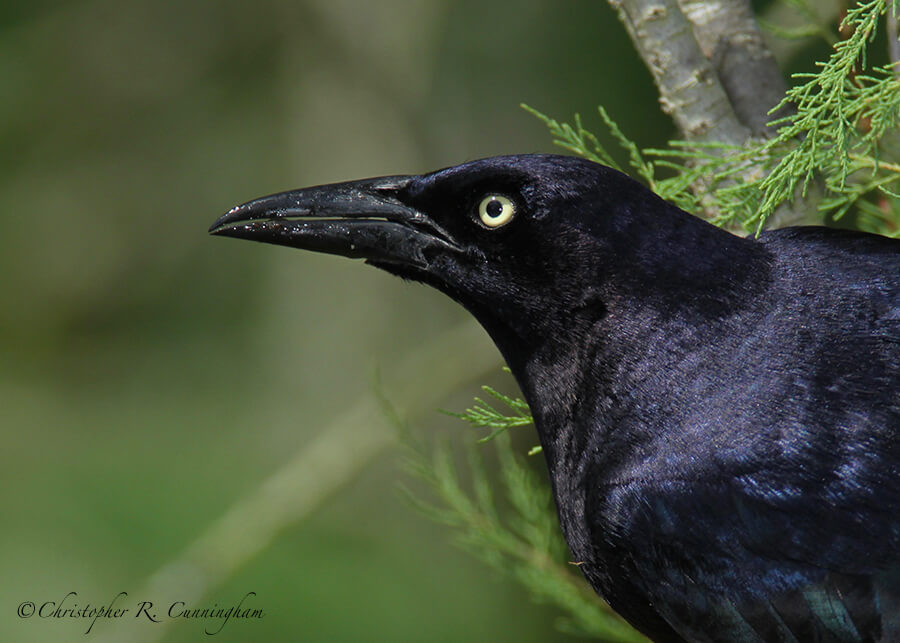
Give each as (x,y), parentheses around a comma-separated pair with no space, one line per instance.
(496,210)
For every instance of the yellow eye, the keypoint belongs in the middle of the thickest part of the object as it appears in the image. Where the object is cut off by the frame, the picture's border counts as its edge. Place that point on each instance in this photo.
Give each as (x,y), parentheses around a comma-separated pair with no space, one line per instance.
(496,210)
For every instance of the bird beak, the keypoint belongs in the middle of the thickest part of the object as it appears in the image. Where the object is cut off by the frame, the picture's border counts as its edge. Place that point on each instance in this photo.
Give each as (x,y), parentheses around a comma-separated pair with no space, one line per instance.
(358,219)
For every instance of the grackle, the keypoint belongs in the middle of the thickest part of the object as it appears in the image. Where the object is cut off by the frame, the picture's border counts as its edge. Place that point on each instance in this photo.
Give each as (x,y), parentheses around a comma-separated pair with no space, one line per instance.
(720,415)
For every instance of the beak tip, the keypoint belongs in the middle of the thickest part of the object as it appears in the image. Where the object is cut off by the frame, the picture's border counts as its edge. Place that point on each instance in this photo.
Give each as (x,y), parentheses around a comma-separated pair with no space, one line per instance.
(219,224)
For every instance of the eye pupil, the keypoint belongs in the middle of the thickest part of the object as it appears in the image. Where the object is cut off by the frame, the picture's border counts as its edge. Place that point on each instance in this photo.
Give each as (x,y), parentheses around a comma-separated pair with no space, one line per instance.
(494,208)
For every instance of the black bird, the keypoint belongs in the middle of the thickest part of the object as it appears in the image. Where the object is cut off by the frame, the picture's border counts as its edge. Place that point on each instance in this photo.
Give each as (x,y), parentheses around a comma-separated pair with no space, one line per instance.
(720,415)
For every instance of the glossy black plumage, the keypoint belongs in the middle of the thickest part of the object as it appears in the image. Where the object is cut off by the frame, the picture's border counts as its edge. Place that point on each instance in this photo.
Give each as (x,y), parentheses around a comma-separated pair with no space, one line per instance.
(720,415)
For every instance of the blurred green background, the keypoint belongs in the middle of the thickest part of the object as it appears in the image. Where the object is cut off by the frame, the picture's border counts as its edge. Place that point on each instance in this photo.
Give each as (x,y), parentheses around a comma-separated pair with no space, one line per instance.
(152,376)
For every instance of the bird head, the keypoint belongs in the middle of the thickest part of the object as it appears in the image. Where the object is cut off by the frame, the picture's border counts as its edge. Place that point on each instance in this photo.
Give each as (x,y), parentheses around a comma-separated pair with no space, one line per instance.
(534,246)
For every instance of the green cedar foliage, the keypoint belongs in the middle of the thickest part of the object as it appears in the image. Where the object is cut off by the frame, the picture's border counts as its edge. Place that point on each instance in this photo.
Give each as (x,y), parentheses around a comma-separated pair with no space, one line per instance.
(516,534)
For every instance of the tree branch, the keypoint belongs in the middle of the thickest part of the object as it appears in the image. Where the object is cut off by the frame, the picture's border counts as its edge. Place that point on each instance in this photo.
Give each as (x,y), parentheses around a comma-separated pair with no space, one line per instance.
(892,37)
(689,88)
(730,38)
(716,77)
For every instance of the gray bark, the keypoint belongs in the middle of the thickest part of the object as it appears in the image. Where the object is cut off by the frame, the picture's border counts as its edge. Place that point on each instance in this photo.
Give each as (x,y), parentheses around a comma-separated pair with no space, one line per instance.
(716,76)
(892,33)
(689,87)
(729,36)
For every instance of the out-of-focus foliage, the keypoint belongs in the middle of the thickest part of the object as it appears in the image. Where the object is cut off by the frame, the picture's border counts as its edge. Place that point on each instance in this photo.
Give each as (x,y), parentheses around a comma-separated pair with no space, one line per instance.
(151,376)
